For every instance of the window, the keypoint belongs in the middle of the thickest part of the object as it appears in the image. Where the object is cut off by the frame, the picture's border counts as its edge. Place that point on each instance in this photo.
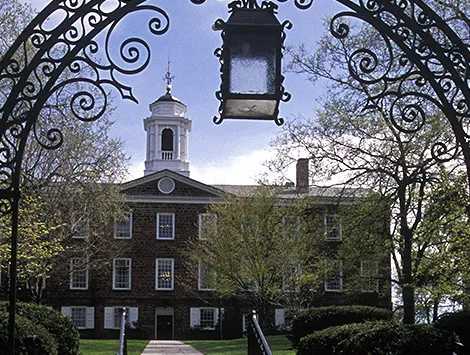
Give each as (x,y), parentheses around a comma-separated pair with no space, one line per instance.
(204,318)
(206,277)
(167,140)
(207,318)
(283,319)
(332,228)
(164,274)
(291,225)
(369,276)
(291,278)
(82,317)
(113,317)
(78,315)
(165,226)
(334,276)
(122,274)
(81,229)
(123,226)
(207,225)
(78,274)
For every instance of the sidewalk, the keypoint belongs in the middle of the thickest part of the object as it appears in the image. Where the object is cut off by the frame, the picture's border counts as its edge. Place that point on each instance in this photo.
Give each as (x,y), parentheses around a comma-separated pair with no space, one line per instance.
(168,347)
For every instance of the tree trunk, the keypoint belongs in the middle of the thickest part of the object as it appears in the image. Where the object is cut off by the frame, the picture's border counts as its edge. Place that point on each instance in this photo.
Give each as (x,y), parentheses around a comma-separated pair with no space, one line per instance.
(408,288)
(435,310)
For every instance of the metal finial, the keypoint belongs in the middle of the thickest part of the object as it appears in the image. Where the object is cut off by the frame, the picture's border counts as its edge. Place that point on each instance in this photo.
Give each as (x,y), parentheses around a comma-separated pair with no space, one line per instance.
(168,77)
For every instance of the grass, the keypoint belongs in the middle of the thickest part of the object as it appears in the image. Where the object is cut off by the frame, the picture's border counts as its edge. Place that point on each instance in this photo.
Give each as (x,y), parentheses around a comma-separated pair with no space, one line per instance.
(278,343)
(110,347)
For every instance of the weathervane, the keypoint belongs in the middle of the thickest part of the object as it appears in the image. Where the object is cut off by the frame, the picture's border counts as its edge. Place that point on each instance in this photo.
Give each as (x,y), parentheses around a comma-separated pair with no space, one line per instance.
(168,77)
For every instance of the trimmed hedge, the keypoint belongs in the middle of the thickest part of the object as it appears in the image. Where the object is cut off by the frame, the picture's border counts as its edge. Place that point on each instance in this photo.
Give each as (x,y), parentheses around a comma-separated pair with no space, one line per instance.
(378,338)
(459,322)
(399,339)
(323,342)
(23,329)
(60,327)
(320,318)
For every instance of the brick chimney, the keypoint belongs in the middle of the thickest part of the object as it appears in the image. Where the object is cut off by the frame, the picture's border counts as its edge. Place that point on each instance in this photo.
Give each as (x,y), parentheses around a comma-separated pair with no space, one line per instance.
(302,174)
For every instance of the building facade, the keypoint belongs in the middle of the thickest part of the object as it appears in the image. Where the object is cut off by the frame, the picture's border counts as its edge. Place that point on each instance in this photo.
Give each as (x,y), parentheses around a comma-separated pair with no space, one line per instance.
(149,274)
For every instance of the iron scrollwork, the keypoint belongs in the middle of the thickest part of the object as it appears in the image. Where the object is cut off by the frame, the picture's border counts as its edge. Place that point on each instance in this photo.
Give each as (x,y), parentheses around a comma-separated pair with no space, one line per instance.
(421,66)
(253,4)
(66,58)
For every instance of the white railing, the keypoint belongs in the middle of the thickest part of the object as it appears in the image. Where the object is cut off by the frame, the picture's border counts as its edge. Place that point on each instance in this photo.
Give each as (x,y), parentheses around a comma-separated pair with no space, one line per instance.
(257,343)
(122,334)
(167,155)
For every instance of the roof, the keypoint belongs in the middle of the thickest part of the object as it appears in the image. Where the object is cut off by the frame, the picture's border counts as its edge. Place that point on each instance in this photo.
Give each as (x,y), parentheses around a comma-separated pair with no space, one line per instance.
(290,191)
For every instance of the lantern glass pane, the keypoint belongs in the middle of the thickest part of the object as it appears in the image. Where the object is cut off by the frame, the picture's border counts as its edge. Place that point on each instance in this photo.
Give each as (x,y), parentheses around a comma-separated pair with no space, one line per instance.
(253,64)
(250,108)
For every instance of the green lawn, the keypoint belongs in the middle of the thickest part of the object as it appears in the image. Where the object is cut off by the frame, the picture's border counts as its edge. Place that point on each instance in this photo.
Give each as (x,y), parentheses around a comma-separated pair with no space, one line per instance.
(110,347)
(278,343)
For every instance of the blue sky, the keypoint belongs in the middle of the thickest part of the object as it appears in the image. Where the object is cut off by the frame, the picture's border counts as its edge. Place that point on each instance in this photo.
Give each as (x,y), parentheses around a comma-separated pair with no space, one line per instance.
(230,153)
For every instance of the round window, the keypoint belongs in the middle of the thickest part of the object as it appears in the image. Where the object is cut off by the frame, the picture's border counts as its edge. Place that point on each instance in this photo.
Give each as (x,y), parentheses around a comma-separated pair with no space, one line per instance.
(166,185)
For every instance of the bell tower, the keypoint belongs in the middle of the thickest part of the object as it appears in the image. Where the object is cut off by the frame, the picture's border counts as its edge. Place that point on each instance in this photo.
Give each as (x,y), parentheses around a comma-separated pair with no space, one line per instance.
(167,134)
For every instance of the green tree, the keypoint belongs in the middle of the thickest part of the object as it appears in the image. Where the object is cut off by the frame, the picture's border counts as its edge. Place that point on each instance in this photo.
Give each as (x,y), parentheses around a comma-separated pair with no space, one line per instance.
(37,248)
(444,234)
(256,244)
(268,244)
(76,184)
(351,146)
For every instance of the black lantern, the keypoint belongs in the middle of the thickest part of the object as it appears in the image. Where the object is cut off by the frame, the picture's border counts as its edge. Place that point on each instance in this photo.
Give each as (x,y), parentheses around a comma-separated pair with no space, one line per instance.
(251,63)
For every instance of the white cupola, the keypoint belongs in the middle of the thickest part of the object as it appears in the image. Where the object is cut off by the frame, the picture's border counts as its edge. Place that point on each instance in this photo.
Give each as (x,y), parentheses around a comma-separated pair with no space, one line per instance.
(167,135)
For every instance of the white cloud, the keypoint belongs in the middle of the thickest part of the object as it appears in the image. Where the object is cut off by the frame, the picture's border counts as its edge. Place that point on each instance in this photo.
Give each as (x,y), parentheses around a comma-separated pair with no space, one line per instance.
(236,170)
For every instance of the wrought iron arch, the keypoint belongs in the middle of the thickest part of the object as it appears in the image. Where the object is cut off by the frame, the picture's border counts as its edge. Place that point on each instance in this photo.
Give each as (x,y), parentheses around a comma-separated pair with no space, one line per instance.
(432,63)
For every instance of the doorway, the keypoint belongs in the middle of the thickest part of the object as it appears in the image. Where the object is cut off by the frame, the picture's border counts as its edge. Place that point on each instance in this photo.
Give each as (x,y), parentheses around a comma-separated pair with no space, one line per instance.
(164,323)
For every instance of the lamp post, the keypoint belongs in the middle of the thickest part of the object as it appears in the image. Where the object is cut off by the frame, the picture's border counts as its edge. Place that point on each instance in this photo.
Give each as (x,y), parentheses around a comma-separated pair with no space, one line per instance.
(250,60)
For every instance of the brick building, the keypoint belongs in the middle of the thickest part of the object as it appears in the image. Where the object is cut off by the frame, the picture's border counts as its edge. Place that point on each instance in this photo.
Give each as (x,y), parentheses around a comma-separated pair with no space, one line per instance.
(166,209)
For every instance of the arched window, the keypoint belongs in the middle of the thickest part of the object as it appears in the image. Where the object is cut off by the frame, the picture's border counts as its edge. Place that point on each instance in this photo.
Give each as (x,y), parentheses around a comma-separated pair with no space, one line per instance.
(167,140)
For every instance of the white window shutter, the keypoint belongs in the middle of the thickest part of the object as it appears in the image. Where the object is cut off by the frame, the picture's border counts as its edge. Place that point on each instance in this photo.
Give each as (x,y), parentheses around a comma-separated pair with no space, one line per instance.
(216,316)
(90,317)
(280,316)
(195,317)
(133,316)
(66,311)
(108,317)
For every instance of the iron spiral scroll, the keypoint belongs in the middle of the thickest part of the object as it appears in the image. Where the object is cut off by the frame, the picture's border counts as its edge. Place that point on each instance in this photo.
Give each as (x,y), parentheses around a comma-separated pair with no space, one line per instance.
(66,58)
(421,67)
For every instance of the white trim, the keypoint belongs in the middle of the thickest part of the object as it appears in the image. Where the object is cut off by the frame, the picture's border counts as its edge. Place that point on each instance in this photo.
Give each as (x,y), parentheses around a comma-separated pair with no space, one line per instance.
(172,274)
(337,225)
(172,225)
(280,317)
(85,224)
(130,274)
(202,220)
(195,317)
(174,176)
(172,188)
(129,217)
(376,288)
(109,313)
(327,264)
(199,279)
(71,287)
(89,315)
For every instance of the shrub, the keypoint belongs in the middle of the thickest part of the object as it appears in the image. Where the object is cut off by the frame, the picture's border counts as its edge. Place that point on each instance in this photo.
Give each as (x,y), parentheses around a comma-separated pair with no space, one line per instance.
(323,317)
(67,337)
(459,322)
(323,342)
(23,329)
(399,339)
(378,338)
